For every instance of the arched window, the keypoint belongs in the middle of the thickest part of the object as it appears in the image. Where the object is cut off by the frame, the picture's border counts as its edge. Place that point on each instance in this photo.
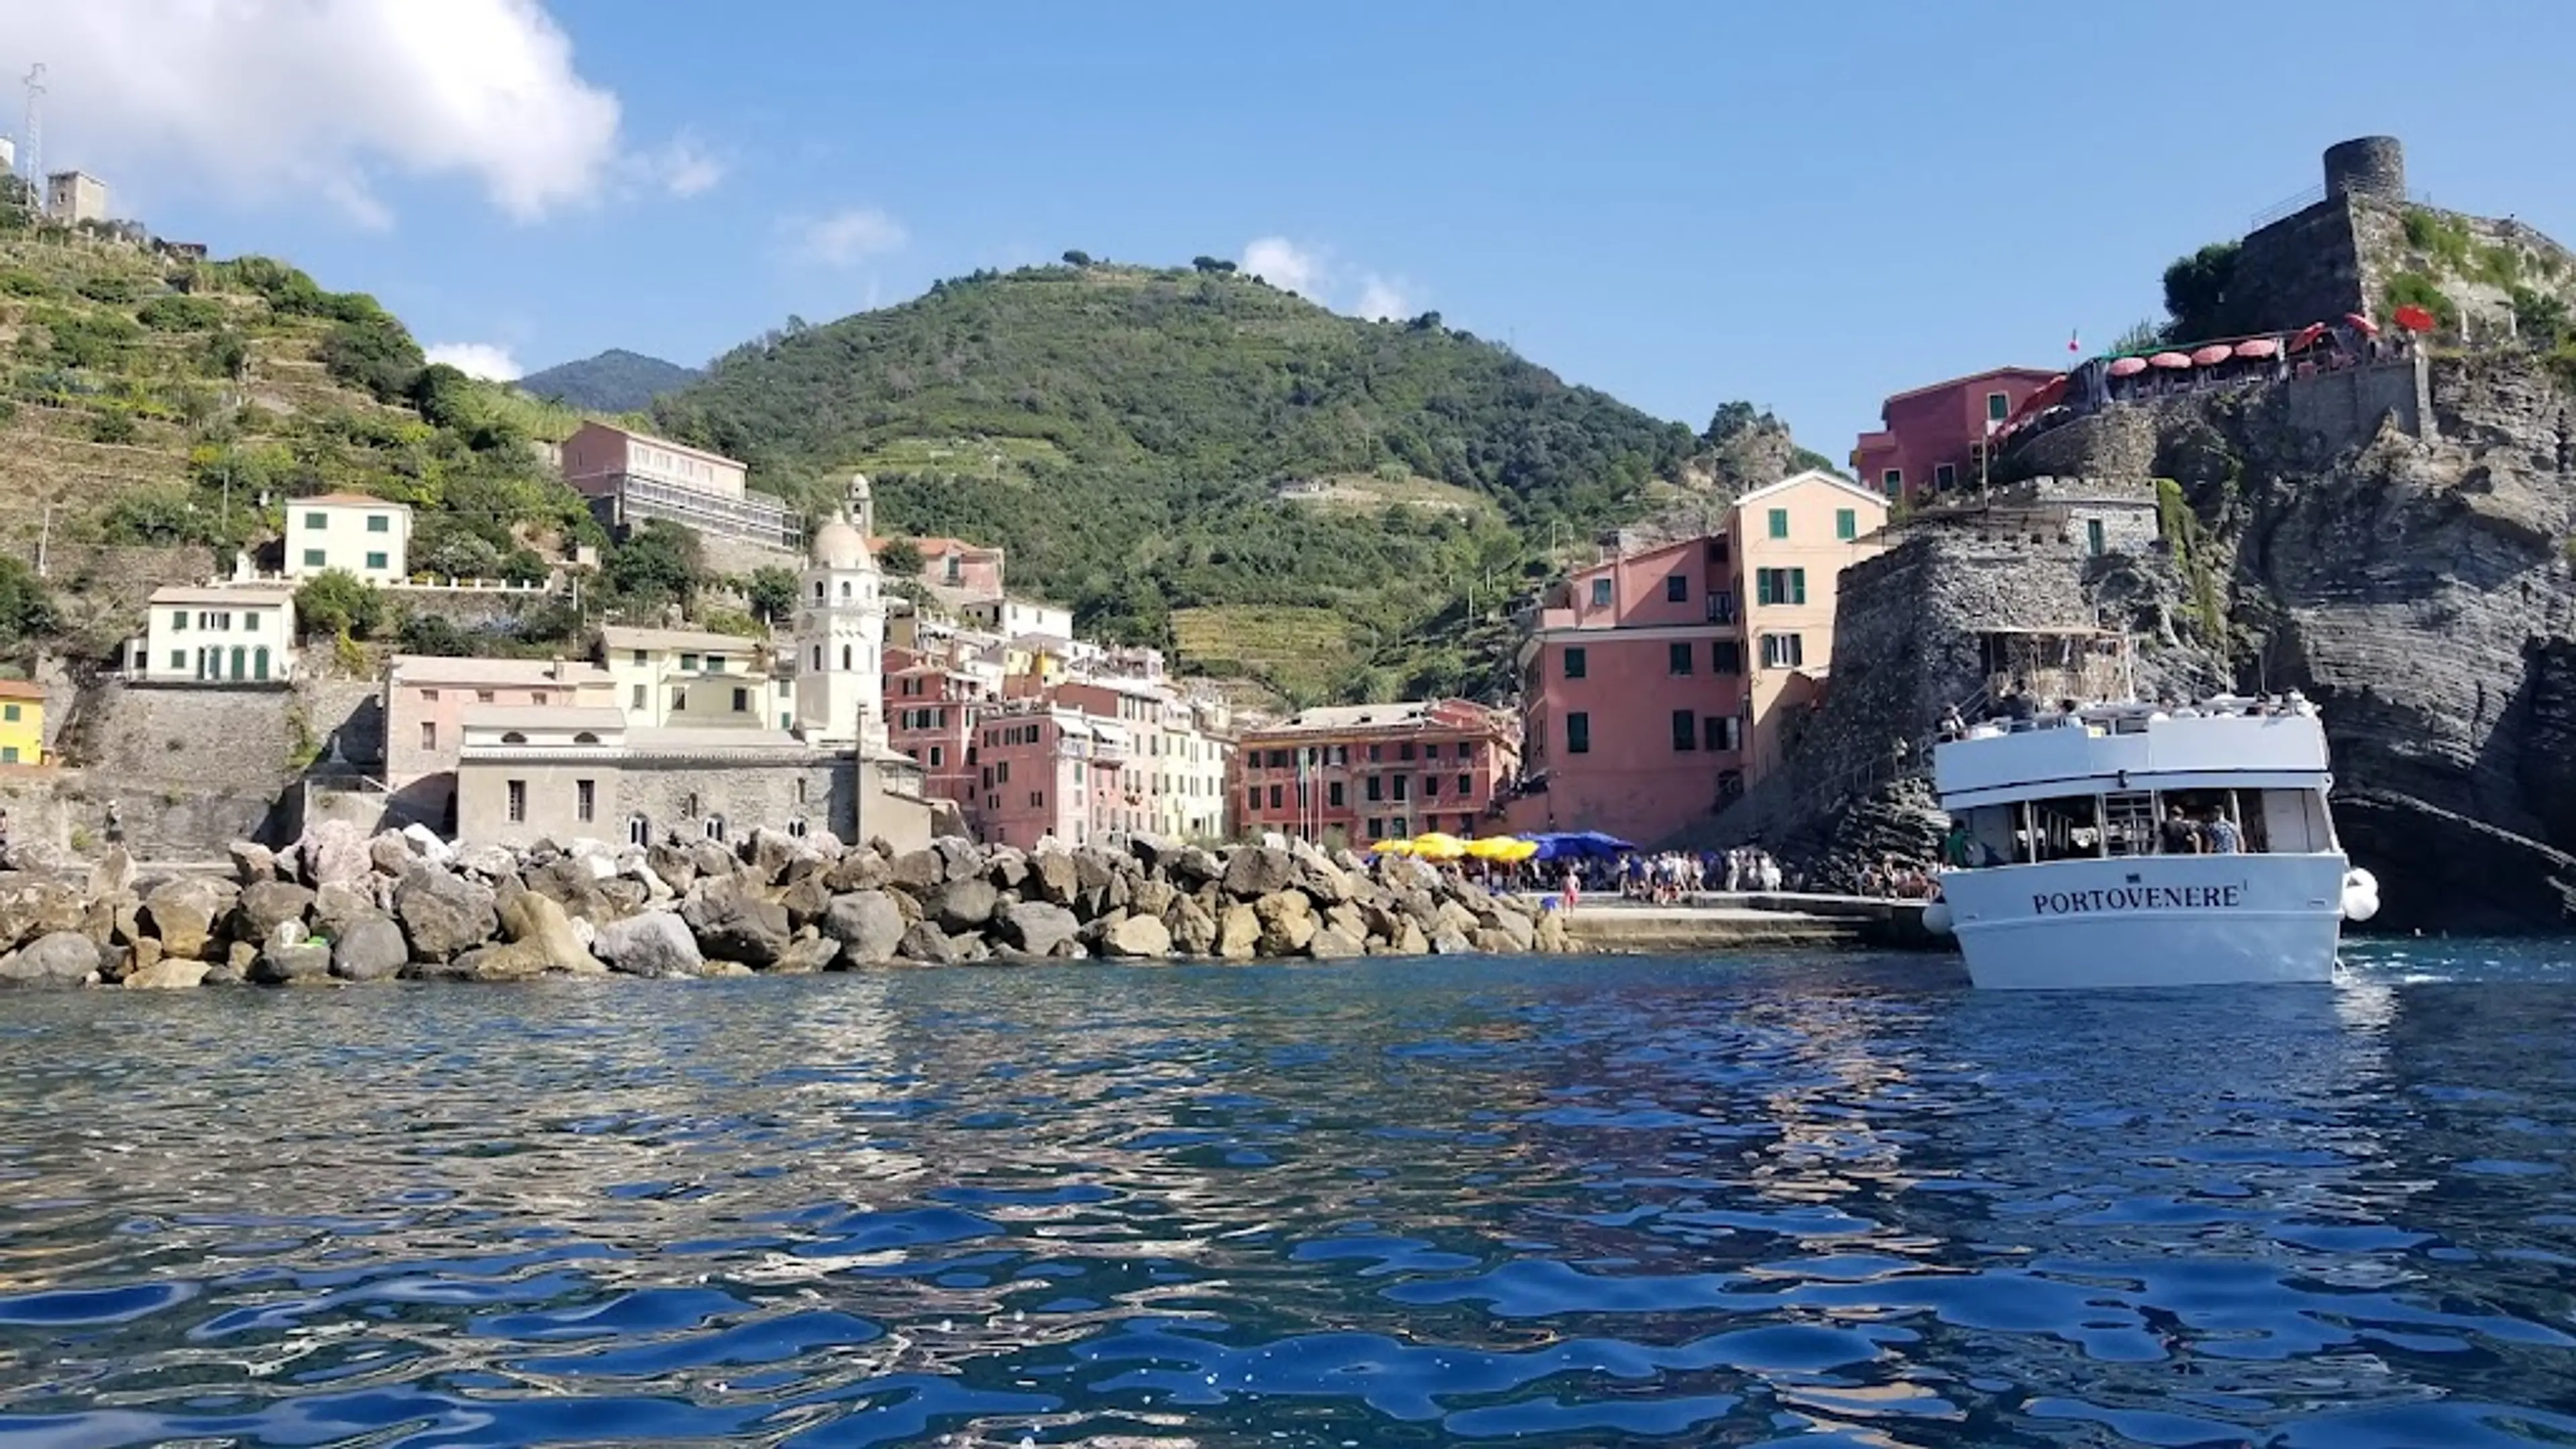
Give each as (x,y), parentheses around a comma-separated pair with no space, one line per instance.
(514,738)
(796,828)
(845,588)
(845,656)
(693,805)
(259,663)
(639,831)
(818,656)
(818,591)
(714,827)
(585,738)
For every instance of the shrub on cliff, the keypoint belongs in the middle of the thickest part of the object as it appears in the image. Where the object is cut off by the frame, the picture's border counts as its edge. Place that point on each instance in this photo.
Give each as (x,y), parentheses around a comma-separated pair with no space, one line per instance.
(337,602)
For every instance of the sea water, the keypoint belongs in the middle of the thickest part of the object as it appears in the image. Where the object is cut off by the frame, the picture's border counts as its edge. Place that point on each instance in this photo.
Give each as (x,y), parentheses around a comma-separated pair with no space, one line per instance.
(1833,1199)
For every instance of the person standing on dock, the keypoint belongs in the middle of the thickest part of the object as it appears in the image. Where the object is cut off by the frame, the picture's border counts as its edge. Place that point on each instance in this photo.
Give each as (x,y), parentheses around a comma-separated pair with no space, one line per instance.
(1573,887)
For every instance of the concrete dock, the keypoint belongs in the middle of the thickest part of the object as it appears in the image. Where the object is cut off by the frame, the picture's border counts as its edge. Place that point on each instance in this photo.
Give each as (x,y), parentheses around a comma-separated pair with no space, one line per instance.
(1724,921)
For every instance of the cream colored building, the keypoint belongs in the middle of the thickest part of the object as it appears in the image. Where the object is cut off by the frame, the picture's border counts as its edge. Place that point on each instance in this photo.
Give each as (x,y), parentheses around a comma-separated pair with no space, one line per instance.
(1013,618)
(73,197)
(353,532)
(689,678)
(1793,539)
(427,698)
(216,634)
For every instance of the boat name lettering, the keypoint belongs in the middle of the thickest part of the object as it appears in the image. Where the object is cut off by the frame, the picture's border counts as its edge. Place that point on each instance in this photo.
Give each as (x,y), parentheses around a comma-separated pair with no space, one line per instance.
(2138,898)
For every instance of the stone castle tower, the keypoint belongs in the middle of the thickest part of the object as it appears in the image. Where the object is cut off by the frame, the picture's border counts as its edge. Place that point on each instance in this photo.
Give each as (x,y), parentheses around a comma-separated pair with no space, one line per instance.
(840,631)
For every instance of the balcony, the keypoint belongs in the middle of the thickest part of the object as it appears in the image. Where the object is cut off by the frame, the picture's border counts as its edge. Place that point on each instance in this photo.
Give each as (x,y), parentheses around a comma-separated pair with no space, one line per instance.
(1721,608)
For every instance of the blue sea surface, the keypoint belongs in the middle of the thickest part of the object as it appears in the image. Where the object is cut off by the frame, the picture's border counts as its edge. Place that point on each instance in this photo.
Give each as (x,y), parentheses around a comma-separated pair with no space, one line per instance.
(1828,1199)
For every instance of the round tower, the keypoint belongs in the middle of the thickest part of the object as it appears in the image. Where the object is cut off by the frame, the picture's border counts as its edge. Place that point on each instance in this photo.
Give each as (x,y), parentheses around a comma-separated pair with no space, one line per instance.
(2367,166)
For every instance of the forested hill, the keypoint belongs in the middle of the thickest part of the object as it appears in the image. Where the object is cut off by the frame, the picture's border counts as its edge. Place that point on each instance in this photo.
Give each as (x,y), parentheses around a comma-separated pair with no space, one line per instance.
(615,381)
(1193,456)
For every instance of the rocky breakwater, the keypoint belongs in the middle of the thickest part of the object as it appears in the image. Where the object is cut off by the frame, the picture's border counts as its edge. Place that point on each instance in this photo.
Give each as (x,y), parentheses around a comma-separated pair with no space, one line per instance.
(339,907)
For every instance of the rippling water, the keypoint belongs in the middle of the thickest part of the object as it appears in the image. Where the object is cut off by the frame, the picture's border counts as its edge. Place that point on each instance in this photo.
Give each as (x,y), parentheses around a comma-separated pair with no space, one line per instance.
(1839,1199)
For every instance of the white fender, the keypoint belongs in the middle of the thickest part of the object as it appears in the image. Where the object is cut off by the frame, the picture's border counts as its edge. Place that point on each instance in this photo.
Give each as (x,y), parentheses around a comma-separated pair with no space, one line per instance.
(2360,895)
(1936,918)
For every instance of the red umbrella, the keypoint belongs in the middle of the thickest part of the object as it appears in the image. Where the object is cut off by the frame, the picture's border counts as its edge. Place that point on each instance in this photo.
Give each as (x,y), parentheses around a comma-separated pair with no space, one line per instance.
(2127,366)
(2212,355)
(2414,318)
(2258,347)
(2169,359)
(2307,336)
(2361,324)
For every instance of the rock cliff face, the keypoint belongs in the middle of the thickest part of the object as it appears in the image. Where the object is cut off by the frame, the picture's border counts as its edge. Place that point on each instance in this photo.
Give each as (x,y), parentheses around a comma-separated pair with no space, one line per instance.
(2418,588)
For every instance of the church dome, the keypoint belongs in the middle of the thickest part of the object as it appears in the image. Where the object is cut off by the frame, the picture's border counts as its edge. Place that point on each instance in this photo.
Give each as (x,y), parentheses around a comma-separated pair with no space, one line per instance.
(839,546)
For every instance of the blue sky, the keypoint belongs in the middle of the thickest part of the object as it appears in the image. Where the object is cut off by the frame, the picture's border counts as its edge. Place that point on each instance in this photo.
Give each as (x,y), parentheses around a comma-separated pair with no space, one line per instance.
(1808,206)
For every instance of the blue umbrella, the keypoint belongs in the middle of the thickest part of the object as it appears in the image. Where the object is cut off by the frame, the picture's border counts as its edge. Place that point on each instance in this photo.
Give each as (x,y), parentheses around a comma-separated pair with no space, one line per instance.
(1579,845)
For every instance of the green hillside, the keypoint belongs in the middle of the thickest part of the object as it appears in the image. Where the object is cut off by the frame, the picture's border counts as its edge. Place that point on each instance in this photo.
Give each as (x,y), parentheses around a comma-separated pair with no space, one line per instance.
(615,381)
(1125,432)
(151,400)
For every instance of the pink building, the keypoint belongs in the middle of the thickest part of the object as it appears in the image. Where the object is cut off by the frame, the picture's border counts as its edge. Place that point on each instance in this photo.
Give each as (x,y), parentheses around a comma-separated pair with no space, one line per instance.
(1051,774)
(930,715)
(1364,772)
(632,477)
(958,569)
(1656,684)
(1931,439)
(1635,695)
(425,700)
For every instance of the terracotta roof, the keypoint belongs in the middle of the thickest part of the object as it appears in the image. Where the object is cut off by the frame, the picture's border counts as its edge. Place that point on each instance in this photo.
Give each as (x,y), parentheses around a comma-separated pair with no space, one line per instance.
(347,500)
(22,689)
(2040,373)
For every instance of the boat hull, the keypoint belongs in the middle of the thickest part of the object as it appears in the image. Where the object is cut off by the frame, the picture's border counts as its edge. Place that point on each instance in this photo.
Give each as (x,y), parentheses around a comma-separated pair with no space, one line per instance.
(2183,920)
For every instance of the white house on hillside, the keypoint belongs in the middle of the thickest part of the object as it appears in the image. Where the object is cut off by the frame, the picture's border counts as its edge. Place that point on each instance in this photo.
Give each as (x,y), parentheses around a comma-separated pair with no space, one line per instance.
(240,634)
(365,536)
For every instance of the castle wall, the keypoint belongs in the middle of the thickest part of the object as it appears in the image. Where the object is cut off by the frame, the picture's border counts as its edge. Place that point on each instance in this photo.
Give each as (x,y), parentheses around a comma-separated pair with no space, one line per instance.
(2306,267)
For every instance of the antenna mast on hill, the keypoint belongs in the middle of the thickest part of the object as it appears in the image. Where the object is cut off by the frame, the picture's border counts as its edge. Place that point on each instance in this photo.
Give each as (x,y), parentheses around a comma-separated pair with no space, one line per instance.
(35,84)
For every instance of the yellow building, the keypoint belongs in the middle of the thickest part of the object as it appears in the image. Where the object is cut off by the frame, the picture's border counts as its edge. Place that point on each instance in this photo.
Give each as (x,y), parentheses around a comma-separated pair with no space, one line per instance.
(22,723)
(1793,540)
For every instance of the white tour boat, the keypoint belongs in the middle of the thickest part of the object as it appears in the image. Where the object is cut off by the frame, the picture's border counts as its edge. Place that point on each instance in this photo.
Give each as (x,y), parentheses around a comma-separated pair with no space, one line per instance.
(2132,845)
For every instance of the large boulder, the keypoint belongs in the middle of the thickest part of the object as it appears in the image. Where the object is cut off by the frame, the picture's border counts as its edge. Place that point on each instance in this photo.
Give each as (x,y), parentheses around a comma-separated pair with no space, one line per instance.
(1006,868)
(1257,871)
(1037,928)
(963,905)
(868,924)
(920,872)
(859,870)
(806,954)
(266,906)
(1238,932)
(1408,940)
(167,974)
(487,862)
(181,913)
(55,959)
(773,851)
(334,851)
(1287,922)
(1517,931)
(1136,938)
(1331,943)
(1053,878)
(1151,896)
(253,863)
(369,948)
(656,943)
(734,922)
(40,909)
(573,884)
(425,844)
(675,866)
(1097,888)
(113,875)
(927,944)
(1193,929)
(443,915)
(530,919)
(290,960)
(1190,867)
(806,898)
(337,904)
(391,854)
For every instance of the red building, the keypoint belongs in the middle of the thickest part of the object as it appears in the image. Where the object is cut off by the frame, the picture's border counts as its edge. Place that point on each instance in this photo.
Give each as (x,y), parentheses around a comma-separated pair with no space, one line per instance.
(1932,439)
(930,715)
(1367,772)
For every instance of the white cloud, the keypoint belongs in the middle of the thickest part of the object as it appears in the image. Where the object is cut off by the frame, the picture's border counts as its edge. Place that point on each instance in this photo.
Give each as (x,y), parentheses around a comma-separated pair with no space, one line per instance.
(846,237)
(683,168)
(1310,272)
(485,360)
(1382,300)
(264,98)
(1286,265)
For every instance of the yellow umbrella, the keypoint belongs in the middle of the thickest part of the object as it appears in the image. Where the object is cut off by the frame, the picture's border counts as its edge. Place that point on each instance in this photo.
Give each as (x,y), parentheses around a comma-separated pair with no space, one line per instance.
(1505,848)
(1393,847)
(1434,845)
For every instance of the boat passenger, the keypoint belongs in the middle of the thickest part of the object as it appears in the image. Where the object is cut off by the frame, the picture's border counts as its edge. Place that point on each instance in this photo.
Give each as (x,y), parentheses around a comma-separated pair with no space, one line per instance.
(2019,707)
(2177,835)
(1956,846)
(2222,835)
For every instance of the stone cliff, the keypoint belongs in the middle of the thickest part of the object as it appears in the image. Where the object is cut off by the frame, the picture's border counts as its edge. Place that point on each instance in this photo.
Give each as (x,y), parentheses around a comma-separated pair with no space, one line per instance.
(2397,546)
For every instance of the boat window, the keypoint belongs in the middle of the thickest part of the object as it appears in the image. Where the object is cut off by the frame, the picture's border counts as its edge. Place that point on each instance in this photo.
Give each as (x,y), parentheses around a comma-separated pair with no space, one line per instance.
(2129,823)
(2293,822)
(2243,809)
(1991,827)
(2066,828)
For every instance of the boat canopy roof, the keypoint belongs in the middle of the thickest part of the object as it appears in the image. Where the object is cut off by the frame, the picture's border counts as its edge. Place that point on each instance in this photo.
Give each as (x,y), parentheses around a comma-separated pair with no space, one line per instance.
(2228,742)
